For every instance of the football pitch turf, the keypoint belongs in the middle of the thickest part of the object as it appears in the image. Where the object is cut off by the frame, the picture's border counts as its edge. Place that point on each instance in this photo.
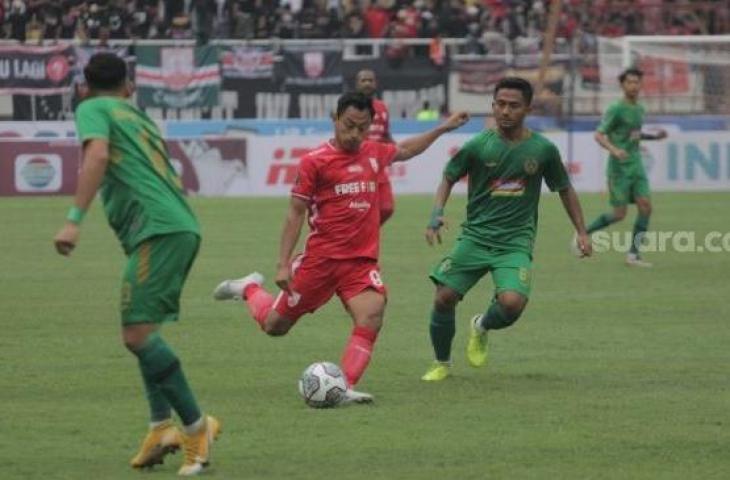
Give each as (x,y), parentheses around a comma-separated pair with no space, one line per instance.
(612,373)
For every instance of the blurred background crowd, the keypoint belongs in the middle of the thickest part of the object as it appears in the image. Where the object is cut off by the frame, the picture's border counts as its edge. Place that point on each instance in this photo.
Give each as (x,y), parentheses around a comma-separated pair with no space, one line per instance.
(478,20)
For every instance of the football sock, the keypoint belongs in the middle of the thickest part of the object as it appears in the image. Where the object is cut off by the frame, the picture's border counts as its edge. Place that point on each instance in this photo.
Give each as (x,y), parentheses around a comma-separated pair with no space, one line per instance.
(161,368)
(159,406)
(496,318)
(358,351)
(601,222)
(442,329)
(194,427)
(640,226)
(259,303)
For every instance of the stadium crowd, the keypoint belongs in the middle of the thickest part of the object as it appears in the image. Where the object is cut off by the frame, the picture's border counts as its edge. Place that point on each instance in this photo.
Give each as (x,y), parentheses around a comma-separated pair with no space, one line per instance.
(478,20)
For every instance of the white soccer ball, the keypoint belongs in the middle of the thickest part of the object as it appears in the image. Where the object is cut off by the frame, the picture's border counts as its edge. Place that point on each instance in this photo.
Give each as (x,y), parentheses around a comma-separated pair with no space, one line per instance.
(322,385)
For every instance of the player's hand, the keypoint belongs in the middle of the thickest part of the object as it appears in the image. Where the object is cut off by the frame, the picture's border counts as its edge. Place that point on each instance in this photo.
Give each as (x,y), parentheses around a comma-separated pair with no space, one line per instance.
(283,277)
(621,154)
(433,231)
(585,245)
(66,238)
(455,121)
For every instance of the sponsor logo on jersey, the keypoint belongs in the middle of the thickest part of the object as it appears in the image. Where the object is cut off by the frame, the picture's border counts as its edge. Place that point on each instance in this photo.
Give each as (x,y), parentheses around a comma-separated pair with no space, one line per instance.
(360,205)
(351,188)
(530,166)
(503,187)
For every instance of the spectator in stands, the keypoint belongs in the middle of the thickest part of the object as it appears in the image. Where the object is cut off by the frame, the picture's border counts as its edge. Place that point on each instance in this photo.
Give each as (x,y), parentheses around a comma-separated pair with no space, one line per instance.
(18,18)
(427,113)
(514,19)
(377,19)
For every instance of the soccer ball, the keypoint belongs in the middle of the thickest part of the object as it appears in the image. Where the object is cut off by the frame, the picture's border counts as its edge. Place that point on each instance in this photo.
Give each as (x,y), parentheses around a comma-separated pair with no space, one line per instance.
(322,385)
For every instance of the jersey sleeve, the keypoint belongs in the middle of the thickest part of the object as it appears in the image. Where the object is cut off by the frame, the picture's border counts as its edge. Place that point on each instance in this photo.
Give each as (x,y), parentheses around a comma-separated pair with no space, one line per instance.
(608,120)
(92,121)
(459,164)
(387,152)
(556,177)
(306,182)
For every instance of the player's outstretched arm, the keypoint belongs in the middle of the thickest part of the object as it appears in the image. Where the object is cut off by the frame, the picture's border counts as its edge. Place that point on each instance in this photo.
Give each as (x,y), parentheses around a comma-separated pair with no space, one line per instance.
(289,238)
(413,146)
(574,211)
(438,220)
(95,161)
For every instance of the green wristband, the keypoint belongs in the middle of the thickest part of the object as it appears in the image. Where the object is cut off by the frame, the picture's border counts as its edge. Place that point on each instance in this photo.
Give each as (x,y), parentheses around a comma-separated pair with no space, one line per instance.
(435,221)
(75,215)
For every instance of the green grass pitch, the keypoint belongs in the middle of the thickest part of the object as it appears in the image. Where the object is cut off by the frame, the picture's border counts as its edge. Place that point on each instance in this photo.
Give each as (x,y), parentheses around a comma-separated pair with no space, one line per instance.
(612,373)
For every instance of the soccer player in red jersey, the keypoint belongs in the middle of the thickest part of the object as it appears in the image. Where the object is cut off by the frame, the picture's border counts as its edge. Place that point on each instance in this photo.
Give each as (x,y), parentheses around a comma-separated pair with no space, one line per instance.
(367,83)
(337,186)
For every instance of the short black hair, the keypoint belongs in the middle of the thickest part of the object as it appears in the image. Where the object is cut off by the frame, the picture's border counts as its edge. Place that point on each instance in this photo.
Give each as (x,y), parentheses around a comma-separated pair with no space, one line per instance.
(356,100)
(630,71)
(516,83)
(105,71)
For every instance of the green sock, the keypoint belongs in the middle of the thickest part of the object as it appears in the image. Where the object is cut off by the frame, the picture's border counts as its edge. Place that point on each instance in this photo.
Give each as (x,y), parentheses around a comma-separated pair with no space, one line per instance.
(496,318)
(161,367)
(442,328)
(640,226)
(601,222)
(159,406)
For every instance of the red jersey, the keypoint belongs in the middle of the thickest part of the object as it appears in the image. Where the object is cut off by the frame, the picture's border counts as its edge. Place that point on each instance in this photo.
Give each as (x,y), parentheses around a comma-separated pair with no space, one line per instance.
(379,127)
(342,191)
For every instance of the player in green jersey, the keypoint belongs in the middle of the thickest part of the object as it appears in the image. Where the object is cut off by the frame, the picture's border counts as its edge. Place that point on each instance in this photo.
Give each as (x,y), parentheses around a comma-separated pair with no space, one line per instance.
(620,133)
(125,157)
(505,168)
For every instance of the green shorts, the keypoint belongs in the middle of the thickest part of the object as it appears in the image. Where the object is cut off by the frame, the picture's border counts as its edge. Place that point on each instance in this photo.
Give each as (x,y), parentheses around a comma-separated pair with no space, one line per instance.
(468,262)
(626,187)
(154,278)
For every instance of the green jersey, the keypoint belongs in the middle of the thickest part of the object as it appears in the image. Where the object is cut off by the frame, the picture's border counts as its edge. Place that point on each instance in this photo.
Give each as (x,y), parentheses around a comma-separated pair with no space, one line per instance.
(621,123)
(141,192)
(504,187)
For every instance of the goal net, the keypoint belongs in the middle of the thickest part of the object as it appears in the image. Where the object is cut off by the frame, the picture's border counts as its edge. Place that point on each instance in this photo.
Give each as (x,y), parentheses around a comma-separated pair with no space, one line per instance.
(682,74)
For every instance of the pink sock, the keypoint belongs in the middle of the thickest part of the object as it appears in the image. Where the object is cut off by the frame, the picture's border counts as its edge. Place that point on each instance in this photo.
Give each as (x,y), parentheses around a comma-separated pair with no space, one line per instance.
(259,303)
(357,354)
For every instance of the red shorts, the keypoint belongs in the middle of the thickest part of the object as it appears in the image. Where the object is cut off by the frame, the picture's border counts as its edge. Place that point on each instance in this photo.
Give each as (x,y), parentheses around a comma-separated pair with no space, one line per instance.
(316,279)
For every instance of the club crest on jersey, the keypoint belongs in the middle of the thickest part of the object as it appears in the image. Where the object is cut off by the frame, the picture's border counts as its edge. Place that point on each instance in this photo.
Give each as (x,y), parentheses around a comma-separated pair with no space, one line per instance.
(355,169)
(374,164)
(503,187)
(530,166)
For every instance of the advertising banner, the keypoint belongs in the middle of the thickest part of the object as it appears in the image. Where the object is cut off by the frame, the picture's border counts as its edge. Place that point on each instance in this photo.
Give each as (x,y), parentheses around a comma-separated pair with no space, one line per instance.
(38,70)
(208,166)
(47,167)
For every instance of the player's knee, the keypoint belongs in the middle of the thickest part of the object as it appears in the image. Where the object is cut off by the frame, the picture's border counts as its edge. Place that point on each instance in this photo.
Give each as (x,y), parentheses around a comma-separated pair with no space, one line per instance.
(645,208)
(619,214)
(133,340)
(372,321)
(276,326)
(445,299)
(513,304)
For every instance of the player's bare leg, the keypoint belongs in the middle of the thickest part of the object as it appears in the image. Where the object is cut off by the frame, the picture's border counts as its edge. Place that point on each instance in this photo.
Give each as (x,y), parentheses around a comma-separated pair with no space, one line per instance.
(260,303)
(367,310)
(633,258)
